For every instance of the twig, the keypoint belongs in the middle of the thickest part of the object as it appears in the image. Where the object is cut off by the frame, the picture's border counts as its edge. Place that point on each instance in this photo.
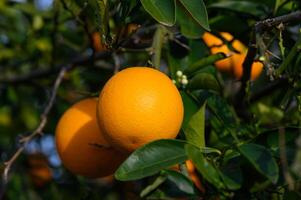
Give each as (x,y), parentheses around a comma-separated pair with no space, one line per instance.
(264,25)
(268,89)
(283,159)
(43,73)
(38,131)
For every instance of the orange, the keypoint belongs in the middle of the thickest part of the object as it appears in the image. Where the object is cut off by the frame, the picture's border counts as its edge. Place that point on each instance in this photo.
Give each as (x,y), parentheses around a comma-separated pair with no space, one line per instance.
(139,105)
(80,142)
(257,67)
(39,171)
(217,46)
(194,176)
(97,43)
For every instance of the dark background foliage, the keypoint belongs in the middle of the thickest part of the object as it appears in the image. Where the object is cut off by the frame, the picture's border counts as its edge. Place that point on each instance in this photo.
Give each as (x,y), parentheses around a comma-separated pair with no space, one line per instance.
(251,129)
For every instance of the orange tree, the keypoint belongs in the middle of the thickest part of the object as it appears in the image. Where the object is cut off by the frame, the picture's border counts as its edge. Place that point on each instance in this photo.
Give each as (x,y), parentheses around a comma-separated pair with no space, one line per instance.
(240,88)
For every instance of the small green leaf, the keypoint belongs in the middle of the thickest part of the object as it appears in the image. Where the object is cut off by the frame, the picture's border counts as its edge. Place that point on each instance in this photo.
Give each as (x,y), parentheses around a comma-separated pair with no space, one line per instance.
(204,81)
(162,11)
(151,158)
(197,10)
(210,60)
(181,181)
(195,131)
(207,170)
(262,160)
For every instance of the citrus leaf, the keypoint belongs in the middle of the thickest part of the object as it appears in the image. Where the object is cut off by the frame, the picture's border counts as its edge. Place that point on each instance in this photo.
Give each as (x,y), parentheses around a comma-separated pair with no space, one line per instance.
(151,158)
(195,131)
(188,26)
(190,108)
(162,11)
(181,181)
(150,188)
(251,8)
(197,10)
(262,159)
(204,81)
(210,60)
(207,170)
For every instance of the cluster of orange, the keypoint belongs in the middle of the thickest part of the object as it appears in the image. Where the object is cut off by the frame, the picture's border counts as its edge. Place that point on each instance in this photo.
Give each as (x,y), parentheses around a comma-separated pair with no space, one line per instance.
(232,64)
(136,106)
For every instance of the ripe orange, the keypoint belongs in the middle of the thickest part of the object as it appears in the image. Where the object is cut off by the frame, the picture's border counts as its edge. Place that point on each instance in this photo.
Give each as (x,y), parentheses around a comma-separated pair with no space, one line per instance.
(257,67)
(139,105)
(38,169)
(216,45)
(193,175)
(81,145)
(97,43)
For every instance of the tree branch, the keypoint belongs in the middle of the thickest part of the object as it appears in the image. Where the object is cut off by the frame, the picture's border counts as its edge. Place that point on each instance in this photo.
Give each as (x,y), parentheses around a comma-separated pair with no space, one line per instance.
(43,121)
(43,73)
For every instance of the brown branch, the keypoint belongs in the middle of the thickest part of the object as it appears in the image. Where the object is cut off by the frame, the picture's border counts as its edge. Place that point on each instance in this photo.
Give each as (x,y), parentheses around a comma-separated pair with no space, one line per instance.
(37,74)
(43,121)
(265,25)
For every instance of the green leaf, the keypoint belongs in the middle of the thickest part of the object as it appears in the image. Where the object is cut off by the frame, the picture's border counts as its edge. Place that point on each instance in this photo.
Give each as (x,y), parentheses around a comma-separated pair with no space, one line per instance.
(197,10)
(195,131)
(151,158)
(262,160)
(231,174)
(204,81)
(246,7)
(162,11)
(210,60)
(207,170)
(181,181)
(188,26)
(150,188)
(190,108)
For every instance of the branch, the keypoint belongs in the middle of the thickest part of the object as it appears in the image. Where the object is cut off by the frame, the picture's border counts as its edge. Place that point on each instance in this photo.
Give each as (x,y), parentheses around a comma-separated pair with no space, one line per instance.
(43,121)
(265,25)
(259,29)
(43,73)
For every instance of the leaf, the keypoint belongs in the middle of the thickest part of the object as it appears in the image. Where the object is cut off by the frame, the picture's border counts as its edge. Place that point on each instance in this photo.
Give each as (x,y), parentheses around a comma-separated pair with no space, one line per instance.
(210,60)
(231,174)
(190,108)
(151,158)
(181,181)
(195,131)
(197,10)
(246,7)
(204,81)
(150,188)
(188,26)
(262,160)
(162,11)
(207,170)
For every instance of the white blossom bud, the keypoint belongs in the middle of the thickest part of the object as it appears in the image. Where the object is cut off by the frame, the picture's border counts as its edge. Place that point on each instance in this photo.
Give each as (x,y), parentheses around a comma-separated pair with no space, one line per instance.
(179,73)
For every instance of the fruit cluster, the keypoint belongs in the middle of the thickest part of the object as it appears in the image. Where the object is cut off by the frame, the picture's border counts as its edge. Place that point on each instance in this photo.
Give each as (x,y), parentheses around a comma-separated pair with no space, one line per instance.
(235,56)
(136,106)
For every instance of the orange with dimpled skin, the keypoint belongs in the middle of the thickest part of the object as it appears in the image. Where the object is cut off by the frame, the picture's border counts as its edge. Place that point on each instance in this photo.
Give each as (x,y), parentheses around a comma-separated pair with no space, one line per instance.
(81,145)
(139,105)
